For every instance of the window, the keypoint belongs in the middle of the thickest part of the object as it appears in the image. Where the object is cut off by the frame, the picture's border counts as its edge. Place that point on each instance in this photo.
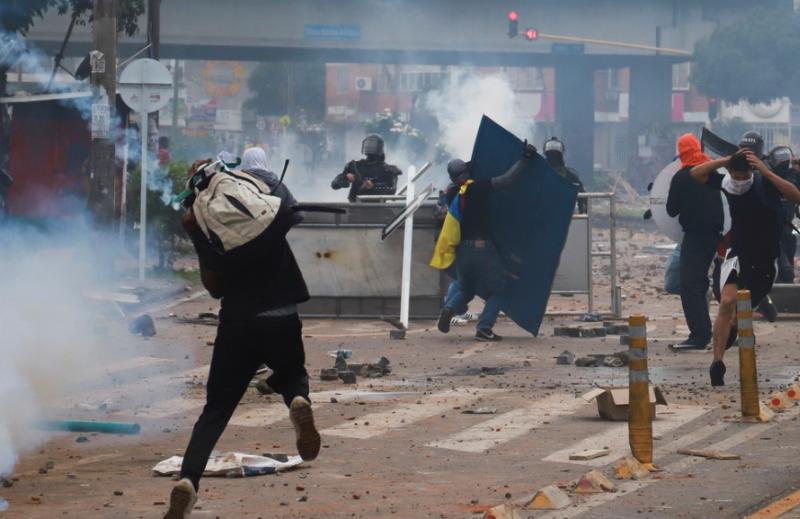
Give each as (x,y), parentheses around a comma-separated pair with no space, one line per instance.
(680,75)
(614,83)
(343,82)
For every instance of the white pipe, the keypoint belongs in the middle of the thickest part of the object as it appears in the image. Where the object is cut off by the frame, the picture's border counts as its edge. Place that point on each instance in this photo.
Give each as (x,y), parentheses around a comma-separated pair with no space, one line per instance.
(408,235)
(143,195)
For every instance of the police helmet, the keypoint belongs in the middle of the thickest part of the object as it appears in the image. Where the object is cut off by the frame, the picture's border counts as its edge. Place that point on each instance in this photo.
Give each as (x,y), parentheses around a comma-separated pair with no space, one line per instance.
(372,145)
(553,144)
(780,155)
(456,168)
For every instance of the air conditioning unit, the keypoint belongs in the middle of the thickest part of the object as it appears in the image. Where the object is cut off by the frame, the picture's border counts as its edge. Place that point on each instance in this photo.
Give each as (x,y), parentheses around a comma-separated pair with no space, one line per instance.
(363,83)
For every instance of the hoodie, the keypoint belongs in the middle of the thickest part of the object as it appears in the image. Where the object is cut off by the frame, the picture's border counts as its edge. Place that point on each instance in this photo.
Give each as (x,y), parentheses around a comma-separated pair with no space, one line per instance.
(697,206)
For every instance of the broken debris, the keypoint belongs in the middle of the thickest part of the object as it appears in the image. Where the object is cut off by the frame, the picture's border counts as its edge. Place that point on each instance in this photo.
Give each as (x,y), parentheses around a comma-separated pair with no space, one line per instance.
(710,454)
(630,468)
(231,464)
(142,325)
(594,482)
(549,498)
(566,358)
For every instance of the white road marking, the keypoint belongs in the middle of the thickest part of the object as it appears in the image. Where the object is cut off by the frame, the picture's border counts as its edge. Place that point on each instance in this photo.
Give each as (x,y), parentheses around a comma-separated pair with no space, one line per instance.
(131,363)
(375,424)
(510,425)
(682,465)
(615,438)
(263,415)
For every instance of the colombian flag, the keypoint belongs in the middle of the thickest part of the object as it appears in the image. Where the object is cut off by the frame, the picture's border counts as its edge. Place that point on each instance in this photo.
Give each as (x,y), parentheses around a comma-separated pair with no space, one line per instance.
(444,254)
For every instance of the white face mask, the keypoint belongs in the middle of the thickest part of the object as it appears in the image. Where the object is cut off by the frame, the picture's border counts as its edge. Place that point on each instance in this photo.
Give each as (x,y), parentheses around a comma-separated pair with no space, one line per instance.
(736,187)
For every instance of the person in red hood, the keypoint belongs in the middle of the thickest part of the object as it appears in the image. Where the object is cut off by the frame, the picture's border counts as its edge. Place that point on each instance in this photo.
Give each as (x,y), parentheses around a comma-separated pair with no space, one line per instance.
(699,211)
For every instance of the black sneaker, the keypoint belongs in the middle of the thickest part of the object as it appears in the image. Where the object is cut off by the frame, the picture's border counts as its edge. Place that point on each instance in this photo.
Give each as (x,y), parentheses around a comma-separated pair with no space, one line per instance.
(732,337)
(688,345)
(717,372)
(444,320)
(487,335)
(768,309)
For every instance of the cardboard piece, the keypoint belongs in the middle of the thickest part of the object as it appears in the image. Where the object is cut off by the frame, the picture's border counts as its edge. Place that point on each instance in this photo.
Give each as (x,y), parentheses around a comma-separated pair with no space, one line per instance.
(708,454)
(589,454)
(612,402)
(549,498)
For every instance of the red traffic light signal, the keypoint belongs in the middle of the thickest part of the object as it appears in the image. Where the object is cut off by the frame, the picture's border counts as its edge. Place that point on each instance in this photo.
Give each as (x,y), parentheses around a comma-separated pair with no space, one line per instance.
(531,34)
(513,24)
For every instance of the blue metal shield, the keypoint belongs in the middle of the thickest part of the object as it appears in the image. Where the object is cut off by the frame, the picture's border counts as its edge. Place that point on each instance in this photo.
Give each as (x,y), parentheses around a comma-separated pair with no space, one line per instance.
(530,221)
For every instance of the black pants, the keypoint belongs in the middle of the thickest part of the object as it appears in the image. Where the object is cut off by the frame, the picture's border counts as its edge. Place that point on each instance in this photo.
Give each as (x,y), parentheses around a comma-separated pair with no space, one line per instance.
(242,344)
(697,253)
(788,246)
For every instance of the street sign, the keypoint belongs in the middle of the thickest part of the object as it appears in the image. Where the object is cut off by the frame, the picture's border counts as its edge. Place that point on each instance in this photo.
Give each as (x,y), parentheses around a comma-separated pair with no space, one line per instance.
(146,86)
(568,48)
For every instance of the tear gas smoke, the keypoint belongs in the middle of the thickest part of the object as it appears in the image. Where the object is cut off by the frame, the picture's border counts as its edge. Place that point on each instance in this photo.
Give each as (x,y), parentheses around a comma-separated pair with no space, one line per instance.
(48,342)
(460,103)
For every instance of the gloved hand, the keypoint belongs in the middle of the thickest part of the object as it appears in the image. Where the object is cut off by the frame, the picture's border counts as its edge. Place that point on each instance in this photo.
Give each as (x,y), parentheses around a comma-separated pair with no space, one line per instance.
(529,150)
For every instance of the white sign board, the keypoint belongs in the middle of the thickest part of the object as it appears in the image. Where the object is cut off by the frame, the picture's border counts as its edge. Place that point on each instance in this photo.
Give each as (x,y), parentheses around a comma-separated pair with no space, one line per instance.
(145,85)
(573,269)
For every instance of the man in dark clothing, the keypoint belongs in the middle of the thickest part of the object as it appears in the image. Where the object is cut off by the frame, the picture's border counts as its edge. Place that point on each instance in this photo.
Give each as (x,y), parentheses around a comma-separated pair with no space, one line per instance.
(699,211)
(754,200)
(5,184)
(478,263)
(780,160)
(258,324)
(368,176)
(554,151)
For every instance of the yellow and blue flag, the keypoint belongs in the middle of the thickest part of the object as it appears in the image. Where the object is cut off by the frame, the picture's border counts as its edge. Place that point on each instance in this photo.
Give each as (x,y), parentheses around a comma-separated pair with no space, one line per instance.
(444,254)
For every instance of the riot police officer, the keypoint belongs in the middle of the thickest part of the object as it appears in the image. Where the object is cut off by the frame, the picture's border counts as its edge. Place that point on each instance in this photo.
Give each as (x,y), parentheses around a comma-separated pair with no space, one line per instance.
(554,151)
(780,160)
(370,175)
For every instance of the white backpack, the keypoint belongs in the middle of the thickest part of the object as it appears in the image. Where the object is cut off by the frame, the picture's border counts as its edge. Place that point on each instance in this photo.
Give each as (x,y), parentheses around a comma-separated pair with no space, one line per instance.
(234,209)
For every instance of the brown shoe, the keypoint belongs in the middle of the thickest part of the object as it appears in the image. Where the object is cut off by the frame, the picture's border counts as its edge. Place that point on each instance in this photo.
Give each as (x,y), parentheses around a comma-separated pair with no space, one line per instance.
(308,440)
(181,500)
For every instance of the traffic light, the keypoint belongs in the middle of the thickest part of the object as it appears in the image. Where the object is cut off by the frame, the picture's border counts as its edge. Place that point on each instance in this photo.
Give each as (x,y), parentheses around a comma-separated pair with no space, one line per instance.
(531,34)
(513,24)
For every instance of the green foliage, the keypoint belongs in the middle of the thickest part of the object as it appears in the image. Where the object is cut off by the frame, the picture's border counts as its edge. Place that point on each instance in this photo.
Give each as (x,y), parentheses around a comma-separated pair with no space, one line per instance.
(164,230)
(753,59)
(20,15)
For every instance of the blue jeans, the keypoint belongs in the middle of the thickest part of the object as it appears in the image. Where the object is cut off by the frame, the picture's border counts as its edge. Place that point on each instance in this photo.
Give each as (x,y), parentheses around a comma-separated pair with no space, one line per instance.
(672,277)
(480,271)
(697,253)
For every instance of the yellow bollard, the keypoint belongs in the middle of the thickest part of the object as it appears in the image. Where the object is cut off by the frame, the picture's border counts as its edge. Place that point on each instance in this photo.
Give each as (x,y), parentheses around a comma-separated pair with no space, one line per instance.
(748,375)
(640,420)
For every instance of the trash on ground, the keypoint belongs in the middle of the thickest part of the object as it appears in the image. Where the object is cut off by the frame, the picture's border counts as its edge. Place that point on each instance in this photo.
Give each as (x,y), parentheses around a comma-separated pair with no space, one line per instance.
(566,358)
(589,454)
(481,410)
(142,325)
(593,317)
(344,353)
(206,318)
(710,454)
(594,482)
(502,512)
(630,468)
(348,371)
(612,402)
(231,464)
(611,360)
(90,426)
(578,331)
(549,498)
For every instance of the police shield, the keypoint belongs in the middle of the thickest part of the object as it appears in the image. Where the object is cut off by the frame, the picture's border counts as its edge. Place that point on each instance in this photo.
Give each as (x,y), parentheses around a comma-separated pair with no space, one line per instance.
(530,221)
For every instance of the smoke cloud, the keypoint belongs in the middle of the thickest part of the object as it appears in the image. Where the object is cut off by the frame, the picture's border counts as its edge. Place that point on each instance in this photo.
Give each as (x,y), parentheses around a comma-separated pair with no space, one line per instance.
(48,339)
(460,103)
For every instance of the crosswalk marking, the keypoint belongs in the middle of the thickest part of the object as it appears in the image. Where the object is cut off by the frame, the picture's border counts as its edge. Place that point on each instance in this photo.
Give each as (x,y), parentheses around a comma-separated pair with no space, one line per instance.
(375,424)
(627,487)
(615,438)
(510,425)
(263,415)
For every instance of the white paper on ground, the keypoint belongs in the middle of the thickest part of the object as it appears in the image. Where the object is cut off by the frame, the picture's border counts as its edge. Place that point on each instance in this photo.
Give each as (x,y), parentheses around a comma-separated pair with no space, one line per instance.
(230,464)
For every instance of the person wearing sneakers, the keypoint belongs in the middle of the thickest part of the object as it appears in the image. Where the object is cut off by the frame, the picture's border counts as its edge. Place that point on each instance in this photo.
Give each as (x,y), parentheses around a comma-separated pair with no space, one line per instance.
(754,198)
(699,211)
(258,324)
(478,263)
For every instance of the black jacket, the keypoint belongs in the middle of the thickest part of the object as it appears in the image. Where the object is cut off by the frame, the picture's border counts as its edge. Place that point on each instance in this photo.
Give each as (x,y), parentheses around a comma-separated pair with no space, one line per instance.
(697,206)
(382,175)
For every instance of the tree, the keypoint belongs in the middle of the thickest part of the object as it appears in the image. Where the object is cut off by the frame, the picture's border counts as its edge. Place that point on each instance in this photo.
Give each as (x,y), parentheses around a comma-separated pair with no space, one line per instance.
(288,88)
(753,59)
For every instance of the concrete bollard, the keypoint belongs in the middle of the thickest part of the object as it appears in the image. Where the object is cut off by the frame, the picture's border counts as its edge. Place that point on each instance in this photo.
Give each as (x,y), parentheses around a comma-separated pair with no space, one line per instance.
(748,374)
(640,419)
